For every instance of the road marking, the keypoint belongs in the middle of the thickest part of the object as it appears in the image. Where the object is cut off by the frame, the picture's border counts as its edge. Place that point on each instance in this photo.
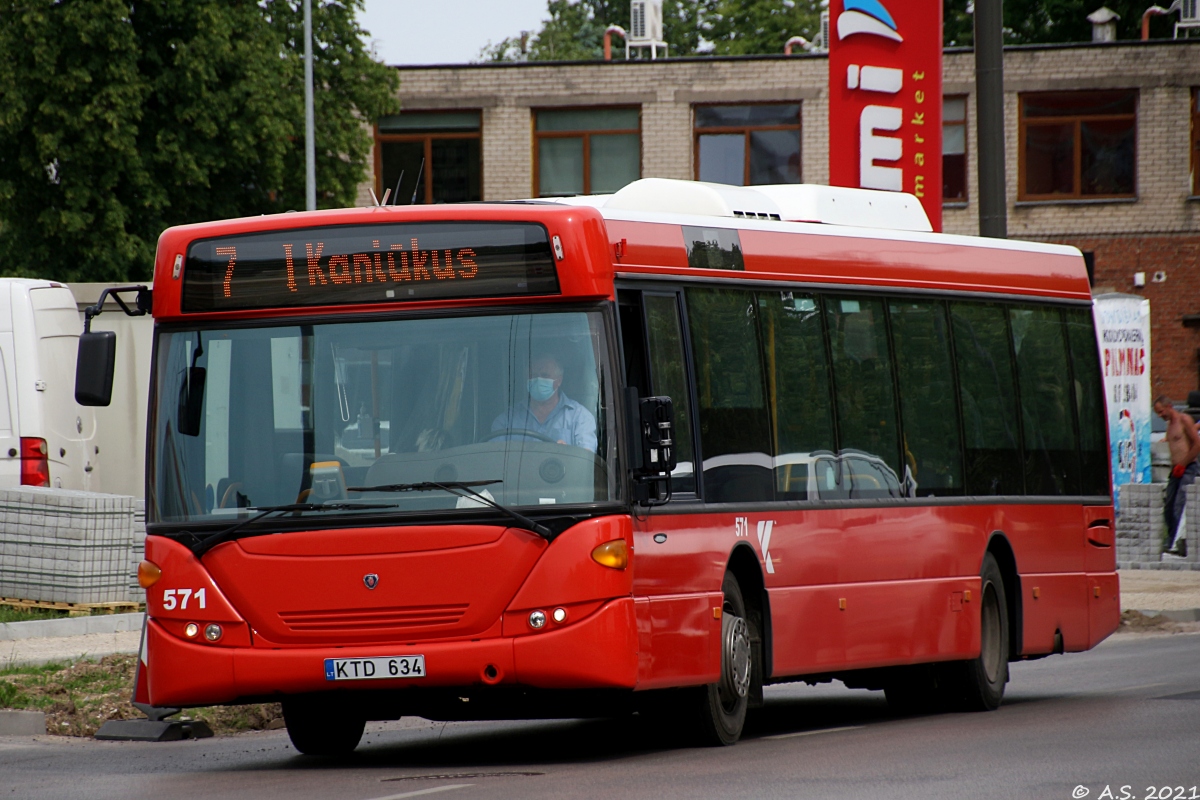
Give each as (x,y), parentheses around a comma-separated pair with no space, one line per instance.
(813,733)
(420,792)
(1142,686)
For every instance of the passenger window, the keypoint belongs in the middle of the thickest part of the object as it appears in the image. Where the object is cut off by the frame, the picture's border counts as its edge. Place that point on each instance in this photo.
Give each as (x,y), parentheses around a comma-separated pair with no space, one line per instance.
(1043,376)
(992,453)
(1089,402)
(862,378)
(668,379)
(798,389)
(928,410)
(735,430)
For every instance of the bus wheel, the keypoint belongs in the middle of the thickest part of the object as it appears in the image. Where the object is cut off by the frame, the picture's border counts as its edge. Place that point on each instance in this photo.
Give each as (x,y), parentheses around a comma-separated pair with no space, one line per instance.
(321,729)
(723,704)
(982,680)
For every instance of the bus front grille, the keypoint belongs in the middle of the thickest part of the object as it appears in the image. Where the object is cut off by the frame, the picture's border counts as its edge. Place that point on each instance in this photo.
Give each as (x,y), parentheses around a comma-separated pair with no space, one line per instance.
(350,619)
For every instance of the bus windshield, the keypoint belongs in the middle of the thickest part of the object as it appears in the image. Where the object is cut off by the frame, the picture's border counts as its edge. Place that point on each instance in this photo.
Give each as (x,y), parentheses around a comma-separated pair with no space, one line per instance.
(253,417)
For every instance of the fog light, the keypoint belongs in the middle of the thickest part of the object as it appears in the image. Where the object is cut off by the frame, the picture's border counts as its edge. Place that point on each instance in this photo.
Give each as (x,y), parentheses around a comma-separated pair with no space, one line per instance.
(537,619)
(212,631)
(148,574)
(191,630)
(560,614)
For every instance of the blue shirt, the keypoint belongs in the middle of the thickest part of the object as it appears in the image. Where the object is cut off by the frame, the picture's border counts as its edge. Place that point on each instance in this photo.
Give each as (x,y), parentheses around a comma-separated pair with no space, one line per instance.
(569,422)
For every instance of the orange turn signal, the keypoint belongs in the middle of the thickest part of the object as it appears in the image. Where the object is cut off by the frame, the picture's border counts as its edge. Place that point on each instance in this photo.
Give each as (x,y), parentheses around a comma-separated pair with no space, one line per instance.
(614,554)
(148,574)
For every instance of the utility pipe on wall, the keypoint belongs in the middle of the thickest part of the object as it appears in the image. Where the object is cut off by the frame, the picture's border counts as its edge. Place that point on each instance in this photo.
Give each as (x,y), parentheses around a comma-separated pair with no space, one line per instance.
(792,42)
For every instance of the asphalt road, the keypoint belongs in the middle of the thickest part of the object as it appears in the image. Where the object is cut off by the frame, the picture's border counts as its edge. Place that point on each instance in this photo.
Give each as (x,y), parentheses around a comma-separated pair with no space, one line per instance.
(1123,716)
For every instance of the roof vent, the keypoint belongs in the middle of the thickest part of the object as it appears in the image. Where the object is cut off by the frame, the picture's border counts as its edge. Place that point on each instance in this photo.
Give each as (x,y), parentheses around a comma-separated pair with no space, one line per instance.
(832,205)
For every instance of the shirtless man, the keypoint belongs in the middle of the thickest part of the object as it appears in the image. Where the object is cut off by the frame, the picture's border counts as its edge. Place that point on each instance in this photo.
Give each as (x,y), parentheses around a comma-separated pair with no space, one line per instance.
(1185,447)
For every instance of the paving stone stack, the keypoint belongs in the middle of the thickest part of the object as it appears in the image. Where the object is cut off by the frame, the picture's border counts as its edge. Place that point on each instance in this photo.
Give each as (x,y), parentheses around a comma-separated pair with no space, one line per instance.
(137,551)
(65,546)
(1141,532)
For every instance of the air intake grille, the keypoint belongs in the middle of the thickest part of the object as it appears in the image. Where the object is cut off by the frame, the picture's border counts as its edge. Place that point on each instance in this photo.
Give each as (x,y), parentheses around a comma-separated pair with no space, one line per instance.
(360,619)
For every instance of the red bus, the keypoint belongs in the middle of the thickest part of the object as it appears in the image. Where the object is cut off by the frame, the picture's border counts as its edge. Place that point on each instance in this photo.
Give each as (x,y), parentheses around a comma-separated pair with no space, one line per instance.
(644,453)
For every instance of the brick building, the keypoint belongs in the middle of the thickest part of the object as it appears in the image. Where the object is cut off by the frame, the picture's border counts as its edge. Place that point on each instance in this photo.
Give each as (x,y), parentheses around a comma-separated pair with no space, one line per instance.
(1101,149)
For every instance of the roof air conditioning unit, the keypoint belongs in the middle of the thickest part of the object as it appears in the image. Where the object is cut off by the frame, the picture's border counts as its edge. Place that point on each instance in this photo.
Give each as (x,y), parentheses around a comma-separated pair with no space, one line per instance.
(646,26)
(822,42)
(1188,11)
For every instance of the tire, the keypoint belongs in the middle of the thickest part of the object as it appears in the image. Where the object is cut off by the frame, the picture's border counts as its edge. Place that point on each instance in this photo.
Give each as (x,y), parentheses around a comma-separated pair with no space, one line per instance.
(319,728)
(980,681)
(721,706)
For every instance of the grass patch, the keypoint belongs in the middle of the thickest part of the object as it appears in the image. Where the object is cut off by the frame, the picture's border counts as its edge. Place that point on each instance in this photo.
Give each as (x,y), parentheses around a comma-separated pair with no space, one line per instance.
(10,614)
(13,614)
(78,698)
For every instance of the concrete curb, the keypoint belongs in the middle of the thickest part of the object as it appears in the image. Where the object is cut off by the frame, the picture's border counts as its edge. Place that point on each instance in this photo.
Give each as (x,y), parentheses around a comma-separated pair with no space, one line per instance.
(69,626)
(22,723)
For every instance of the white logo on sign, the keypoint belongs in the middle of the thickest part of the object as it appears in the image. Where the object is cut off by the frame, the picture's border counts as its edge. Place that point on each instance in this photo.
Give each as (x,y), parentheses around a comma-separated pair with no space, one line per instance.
(764,542)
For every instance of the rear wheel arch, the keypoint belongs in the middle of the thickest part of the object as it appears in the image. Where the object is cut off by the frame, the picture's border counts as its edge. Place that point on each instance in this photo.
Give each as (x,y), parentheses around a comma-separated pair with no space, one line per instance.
(1001,550)
(743,564)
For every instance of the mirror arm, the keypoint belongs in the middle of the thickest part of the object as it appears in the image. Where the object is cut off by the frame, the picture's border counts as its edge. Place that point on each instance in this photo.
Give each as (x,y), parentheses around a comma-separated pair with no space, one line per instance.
(142,303)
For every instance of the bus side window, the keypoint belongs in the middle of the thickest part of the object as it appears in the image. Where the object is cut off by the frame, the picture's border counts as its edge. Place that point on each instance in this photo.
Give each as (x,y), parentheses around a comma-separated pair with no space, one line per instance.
(667,378)
(1089,402)
(862,377)
(735,429)
(1043,378)
(928,409)
(798,389)
(987,390)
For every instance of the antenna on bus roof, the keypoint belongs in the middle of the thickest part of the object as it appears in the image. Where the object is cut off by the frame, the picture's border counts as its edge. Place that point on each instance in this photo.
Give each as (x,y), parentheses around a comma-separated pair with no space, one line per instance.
(417,184)
(386,194)
(396,193)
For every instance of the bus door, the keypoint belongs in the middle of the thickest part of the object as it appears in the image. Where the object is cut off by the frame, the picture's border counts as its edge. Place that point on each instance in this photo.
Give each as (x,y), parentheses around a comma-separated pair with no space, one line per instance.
(676,581)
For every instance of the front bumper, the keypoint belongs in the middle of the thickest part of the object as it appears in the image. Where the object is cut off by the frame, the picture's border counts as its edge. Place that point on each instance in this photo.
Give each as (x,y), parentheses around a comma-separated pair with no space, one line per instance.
(599,651)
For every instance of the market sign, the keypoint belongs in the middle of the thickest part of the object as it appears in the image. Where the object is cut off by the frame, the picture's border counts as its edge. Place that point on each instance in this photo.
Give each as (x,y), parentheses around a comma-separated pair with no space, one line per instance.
(885,98)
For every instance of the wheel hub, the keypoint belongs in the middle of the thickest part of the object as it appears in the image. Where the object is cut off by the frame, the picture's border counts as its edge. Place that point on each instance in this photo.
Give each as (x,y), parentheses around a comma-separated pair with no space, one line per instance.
(735,657)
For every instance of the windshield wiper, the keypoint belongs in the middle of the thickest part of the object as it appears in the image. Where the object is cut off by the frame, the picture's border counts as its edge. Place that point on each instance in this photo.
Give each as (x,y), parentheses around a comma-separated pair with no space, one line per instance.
(208,543)
(463,489)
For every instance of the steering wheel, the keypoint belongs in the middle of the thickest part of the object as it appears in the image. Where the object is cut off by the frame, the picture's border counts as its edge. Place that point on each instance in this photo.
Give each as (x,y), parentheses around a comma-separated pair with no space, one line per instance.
(519,432)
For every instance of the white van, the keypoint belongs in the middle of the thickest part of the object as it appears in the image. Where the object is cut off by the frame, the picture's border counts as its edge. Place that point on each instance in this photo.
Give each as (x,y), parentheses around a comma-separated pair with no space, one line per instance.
(46,438)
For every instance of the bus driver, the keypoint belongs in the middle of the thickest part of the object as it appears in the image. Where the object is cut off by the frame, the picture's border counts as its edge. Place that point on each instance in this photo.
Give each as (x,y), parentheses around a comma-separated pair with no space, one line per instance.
(549,411)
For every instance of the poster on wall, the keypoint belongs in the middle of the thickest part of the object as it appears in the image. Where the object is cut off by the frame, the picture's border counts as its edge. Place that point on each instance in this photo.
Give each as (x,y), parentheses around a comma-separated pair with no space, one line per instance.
(1123,331)
(885,98)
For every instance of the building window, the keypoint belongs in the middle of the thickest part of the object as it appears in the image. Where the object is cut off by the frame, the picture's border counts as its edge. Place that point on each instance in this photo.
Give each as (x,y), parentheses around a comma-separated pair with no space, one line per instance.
(1078,145)
(1195,142)
(954,148)
(745,145)
(429,157)
(587,150)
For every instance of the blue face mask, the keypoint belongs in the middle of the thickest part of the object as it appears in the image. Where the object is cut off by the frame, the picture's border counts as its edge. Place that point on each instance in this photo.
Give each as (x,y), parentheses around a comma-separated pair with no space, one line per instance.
(541,389)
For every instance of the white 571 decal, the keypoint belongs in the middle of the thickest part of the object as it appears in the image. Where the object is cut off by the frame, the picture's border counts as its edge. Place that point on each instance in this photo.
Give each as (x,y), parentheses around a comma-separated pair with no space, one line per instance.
(764,542)
(180,597)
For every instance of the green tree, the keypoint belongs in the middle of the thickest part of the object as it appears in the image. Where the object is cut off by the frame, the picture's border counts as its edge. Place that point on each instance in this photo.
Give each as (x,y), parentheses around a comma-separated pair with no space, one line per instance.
(751,27)
(119,120)
(575,29)
(1052,21)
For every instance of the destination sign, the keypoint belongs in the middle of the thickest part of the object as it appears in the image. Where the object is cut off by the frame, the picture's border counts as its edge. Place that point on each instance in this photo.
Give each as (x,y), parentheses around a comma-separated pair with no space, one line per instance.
(368,264)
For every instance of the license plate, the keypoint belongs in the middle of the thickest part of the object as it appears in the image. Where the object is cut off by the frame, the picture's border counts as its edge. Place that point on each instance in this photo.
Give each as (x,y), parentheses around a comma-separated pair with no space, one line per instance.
(380,668)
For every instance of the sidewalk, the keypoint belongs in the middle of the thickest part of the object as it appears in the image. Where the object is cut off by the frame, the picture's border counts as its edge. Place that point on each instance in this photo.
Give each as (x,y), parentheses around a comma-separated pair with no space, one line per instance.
(1175,594)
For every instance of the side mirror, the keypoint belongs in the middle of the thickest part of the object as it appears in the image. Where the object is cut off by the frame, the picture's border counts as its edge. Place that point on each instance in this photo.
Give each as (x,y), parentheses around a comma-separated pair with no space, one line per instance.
(651,425)
(94,366)
(657,416)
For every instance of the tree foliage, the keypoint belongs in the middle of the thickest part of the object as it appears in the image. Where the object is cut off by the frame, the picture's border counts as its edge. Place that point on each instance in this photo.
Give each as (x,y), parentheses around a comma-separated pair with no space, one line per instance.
(574,31)
(119,119)
(1051,21)
(575,28)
